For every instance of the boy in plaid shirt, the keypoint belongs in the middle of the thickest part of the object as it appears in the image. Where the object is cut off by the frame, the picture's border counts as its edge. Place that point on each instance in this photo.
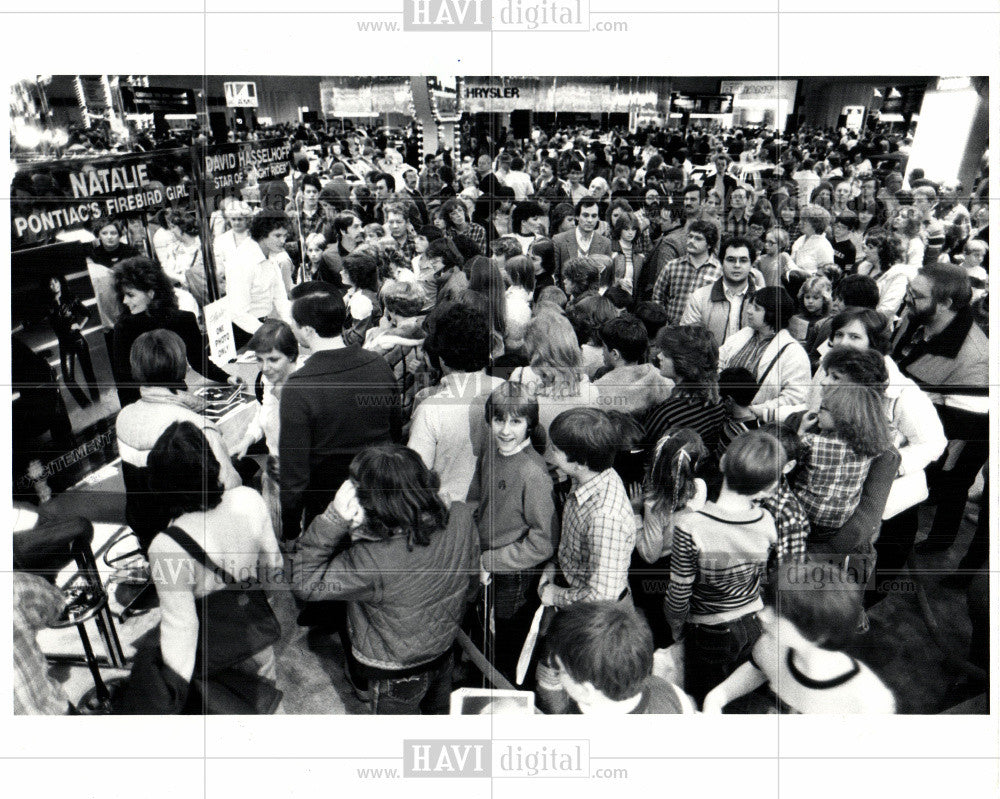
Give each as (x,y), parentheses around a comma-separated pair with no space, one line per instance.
(598,529)
(790,520)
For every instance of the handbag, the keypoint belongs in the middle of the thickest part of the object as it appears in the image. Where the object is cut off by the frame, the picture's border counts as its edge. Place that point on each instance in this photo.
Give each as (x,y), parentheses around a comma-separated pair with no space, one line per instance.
(235,622)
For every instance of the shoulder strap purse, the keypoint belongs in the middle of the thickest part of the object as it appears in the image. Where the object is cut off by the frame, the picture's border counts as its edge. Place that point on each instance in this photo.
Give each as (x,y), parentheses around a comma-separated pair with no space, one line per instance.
(770,366)
(236,621)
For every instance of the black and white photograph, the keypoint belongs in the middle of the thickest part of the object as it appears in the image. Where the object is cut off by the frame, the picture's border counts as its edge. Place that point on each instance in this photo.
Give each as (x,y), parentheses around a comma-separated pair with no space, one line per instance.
(522,396)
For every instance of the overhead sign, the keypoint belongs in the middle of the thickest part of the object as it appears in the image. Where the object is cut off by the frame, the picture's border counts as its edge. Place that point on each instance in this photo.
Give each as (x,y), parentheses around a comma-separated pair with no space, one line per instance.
(240,94)
(759,89)
(52,197)
(231,167)
(146,101)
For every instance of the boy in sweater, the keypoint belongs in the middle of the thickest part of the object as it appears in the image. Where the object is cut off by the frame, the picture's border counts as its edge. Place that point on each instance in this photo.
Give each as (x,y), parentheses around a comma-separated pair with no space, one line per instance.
(516,517)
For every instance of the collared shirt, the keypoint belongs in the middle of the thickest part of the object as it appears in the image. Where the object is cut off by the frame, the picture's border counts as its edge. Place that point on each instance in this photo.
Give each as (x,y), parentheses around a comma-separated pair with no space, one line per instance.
(256,290)
(790,522)
(476,233)
(598,536)
(829,481)
(735,298)
(678,279)
(735,223)
(227,252)
(583,245)
(408,246)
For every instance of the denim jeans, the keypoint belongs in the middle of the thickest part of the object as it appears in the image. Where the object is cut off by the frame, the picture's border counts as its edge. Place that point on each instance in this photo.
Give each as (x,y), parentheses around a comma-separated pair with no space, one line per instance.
(713,652)
(427,692)
(514,598)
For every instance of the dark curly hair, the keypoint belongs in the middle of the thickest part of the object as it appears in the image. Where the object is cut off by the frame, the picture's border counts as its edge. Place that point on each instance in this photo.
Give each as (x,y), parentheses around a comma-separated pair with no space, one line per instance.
(695,354)
(183,470)
(145,275)
(362,269)
(399,494)
(461,338)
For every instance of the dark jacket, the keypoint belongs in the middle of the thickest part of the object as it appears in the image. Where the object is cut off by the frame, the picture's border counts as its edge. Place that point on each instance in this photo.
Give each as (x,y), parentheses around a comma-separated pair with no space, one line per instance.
(566,248)
(130,326)
(337,404)
(404,606)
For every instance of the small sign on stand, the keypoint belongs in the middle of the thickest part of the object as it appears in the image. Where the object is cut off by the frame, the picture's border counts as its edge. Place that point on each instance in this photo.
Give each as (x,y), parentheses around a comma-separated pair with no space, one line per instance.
(219,326)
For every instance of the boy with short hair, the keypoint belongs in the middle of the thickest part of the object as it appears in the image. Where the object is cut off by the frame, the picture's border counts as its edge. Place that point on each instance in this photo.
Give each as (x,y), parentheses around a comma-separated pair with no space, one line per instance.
(798,652)
(598,525)
(604,651)
(718,558)
(737,387)
(598,529)
(632,385)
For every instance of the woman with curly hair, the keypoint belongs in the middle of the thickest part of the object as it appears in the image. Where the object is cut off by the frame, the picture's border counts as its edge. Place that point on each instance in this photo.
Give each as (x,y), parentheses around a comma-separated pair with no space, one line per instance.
(406,576)
(688,355)
(458,223)
(150,304)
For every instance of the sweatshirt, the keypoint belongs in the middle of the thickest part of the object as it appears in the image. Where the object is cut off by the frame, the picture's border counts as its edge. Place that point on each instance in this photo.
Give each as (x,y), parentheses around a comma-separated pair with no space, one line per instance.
(516,514)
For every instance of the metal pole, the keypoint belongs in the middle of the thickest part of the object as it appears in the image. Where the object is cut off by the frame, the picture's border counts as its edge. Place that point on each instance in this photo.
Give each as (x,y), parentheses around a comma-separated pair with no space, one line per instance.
(198,153)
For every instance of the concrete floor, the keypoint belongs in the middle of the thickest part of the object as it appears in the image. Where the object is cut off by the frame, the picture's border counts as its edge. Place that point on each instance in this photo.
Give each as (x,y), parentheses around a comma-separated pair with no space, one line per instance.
(898,647)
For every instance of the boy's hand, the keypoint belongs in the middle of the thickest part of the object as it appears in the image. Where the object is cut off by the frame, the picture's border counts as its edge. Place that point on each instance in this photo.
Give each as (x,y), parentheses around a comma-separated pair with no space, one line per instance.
(547,593)
(548,575)
(635,496)
(712,704)
(346,504)
(808,422)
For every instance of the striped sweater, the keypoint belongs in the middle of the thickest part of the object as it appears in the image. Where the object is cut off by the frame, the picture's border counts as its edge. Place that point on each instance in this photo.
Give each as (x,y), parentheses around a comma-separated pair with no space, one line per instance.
(717,562)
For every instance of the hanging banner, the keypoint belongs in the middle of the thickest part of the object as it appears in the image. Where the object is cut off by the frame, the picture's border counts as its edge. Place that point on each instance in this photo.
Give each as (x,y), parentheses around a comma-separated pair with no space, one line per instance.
(51,199)
(230,168)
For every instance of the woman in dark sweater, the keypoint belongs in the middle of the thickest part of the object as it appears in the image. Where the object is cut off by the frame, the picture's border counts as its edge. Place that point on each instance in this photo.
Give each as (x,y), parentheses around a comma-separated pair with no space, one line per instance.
(688,355)
(108,249)
(149,298)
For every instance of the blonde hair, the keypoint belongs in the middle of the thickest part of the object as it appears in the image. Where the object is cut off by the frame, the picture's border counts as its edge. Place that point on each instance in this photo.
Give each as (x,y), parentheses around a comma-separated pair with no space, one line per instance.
(817,284)
(315,240)
(553,349)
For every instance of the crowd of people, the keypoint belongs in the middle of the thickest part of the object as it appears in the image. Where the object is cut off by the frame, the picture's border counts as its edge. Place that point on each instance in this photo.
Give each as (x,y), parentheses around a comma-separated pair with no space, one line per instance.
(620,378)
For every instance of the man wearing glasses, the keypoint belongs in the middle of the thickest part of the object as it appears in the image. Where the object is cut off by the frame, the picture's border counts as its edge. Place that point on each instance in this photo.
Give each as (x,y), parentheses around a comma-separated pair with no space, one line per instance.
(945,352)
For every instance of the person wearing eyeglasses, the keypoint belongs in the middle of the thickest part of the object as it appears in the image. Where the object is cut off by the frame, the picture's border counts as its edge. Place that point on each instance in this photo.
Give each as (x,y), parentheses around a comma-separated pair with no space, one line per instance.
(944,351)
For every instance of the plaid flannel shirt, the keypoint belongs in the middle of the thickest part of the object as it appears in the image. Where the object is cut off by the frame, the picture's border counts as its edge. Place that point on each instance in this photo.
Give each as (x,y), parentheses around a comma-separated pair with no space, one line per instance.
(598,536)
(678,279)
(790,522)
(828,485)
(37,603)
